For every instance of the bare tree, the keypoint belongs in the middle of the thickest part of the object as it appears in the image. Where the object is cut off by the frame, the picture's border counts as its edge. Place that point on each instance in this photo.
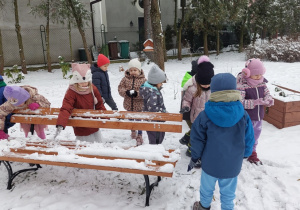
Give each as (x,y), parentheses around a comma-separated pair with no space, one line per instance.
(79,14)
(19,37)
(147,20)
(183,4)
(1,46)
(158,39)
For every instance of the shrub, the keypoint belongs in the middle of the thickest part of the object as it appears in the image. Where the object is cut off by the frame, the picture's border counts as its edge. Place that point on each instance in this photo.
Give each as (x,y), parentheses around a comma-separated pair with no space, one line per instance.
(65,67)
(14,74)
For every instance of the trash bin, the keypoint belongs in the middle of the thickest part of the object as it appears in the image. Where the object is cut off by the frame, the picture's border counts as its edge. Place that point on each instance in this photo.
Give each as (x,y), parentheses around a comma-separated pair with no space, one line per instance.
(113,50)
(82,54)
(124,51)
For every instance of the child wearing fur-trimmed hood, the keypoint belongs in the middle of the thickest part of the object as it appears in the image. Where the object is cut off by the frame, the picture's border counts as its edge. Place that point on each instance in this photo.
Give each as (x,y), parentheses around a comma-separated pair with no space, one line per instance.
(81,94)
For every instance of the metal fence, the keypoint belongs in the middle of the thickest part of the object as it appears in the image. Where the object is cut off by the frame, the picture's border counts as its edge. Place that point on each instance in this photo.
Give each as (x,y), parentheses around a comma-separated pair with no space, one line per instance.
(34,43)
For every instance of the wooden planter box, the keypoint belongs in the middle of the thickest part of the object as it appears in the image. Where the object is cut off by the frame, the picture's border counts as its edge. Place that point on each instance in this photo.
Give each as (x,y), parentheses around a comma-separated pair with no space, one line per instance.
(283,114)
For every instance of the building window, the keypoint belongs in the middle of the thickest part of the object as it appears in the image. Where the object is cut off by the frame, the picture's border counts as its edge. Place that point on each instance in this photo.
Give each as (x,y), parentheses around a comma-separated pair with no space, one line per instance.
(140,5)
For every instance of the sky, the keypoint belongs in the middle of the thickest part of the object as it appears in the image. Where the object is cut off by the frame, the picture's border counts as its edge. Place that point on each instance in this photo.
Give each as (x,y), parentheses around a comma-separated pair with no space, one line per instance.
(275,185)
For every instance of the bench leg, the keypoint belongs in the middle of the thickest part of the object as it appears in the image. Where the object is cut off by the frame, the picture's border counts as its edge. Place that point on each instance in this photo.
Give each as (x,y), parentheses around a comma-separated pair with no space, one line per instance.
(149,187)
(12,175)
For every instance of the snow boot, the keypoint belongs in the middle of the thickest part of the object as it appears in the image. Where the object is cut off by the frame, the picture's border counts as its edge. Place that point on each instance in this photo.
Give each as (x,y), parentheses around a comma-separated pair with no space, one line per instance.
(133,134)
(198,206)
(188,152)
(254,159)
(185,140)
(139,140)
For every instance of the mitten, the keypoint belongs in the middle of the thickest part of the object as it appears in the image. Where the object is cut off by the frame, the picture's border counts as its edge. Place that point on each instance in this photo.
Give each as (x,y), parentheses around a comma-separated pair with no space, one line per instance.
(185,109)
(270,102)
(33,106)
(3,135)
(191,164)
(133,93)
(59,128)
(128,93)
(259,101)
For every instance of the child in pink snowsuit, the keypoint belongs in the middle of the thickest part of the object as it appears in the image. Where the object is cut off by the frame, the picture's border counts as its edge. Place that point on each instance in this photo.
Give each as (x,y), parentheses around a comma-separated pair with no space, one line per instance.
(21,98)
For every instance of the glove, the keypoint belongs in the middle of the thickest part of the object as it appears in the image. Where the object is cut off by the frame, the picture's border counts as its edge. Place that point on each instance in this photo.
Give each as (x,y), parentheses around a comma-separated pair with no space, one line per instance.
(3,135)
(270,102)
(103,100)
(191,164)
(185,109)
(131,93)
(58,130)
(33,106)
(259,101)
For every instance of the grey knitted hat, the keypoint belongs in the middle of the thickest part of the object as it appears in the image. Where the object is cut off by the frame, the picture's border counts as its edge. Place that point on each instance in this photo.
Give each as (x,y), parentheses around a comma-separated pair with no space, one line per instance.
(156,75)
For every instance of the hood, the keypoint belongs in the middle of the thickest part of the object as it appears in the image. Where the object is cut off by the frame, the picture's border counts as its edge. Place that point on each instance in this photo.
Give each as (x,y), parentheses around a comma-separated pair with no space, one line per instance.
(224,114)
(146,89)
(95,68)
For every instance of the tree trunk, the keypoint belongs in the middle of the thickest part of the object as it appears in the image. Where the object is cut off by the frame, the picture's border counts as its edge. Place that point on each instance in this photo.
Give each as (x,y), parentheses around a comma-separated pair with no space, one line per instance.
(81,31)
(218,42)
(175,23)
(158,40)
(180,30)
(254,35)
(19,36)
(147,20)
(1,55)
(241,44)
(48,39)
(205,43)
(70,40)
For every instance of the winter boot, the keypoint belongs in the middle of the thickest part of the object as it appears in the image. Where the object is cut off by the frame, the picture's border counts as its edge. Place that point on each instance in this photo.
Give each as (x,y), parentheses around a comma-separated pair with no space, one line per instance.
(254,159)
(185,140)
(139,140)
(133,134)
(198,206)
(188,152)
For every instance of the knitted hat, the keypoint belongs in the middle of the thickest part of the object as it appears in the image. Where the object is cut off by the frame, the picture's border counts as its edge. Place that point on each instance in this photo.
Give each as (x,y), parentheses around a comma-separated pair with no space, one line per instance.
(203,58)
(135,63)
(81,73)
(204,73)
(16,95)
(223,81)
(102,60)
(156,75)
(254,66)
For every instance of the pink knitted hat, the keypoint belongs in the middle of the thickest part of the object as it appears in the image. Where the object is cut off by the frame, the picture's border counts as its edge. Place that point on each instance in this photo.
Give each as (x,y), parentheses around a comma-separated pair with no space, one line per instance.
(81,73)
(254,66)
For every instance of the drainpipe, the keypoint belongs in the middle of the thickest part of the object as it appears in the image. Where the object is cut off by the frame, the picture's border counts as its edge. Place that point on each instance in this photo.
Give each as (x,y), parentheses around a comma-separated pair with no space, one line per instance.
(91,8)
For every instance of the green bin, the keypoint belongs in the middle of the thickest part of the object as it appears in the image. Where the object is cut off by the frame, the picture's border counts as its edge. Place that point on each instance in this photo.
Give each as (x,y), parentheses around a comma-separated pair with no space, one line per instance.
(124,51)
(82,54)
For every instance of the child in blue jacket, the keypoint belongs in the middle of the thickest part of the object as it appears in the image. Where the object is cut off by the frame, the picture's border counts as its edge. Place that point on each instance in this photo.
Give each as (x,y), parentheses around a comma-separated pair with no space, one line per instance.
(222,136)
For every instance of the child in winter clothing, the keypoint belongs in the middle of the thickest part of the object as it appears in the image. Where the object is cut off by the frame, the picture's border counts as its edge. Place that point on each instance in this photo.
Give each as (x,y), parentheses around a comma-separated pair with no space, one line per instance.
(101,80)
(222,135)
(129,89)
(153,99)
(186,115)
(7,123)
(81,94)
(197,92)
(21,98)
(255,95)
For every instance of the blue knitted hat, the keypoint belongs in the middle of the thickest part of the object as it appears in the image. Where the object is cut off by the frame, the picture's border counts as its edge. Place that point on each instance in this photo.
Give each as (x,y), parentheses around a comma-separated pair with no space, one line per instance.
(223,81)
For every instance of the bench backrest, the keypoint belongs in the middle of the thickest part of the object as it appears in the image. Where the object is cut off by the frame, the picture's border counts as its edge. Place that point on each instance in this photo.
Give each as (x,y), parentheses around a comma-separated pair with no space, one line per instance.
(148,121)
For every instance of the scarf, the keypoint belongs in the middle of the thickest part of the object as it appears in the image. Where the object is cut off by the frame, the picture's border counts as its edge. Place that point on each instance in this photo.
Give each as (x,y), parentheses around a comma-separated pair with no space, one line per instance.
(254,82)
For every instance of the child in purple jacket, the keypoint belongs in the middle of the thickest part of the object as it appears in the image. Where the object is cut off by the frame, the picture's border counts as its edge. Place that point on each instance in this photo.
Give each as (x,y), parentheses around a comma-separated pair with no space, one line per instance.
(255,95)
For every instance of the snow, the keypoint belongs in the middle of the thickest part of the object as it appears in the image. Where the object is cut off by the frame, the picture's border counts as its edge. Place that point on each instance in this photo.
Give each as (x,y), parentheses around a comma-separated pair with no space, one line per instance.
(274,185)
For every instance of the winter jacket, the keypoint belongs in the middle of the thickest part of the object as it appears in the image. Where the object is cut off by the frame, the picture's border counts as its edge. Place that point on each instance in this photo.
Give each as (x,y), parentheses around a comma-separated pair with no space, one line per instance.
(7,123)
(187,77)
(153,99)
(7,107)
(101,81)
(130,82)
(196,104)
(249,94)
(221,136)
(74,100)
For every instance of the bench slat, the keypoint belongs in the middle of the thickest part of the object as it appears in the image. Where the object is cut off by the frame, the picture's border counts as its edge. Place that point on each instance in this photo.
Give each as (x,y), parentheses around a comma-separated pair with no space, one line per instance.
(100,123)
(108,113)
(84,166)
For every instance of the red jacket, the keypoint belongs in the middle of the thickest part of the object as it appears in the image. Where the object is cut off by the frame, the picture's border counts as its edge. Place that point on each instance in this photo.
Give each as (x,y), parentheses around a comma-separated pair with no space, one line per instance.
(73,100)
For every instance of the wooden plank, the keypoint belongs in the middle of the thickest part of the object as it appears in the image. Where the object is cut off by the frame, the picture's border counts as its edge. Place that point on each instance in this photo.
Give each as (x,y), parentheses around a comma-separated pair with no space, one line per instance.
(279,105)
(32,151)
(277,124)
(293,106)
(106,114)
(292,117)
(85,166)
(99,123)
(274,113)
(287,88)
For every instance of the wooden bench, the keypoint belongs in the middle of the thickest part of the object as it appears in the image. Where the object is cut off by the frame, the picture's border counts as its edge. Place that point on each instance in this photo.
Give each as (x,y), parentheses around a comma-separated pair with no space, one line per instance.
(146,159)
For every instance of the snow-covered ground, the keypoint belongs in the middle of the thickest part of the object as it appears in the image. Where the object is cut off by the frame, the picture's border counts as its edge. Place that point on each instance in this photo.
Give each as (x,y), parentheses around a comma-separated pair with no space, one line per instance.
(274,185)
